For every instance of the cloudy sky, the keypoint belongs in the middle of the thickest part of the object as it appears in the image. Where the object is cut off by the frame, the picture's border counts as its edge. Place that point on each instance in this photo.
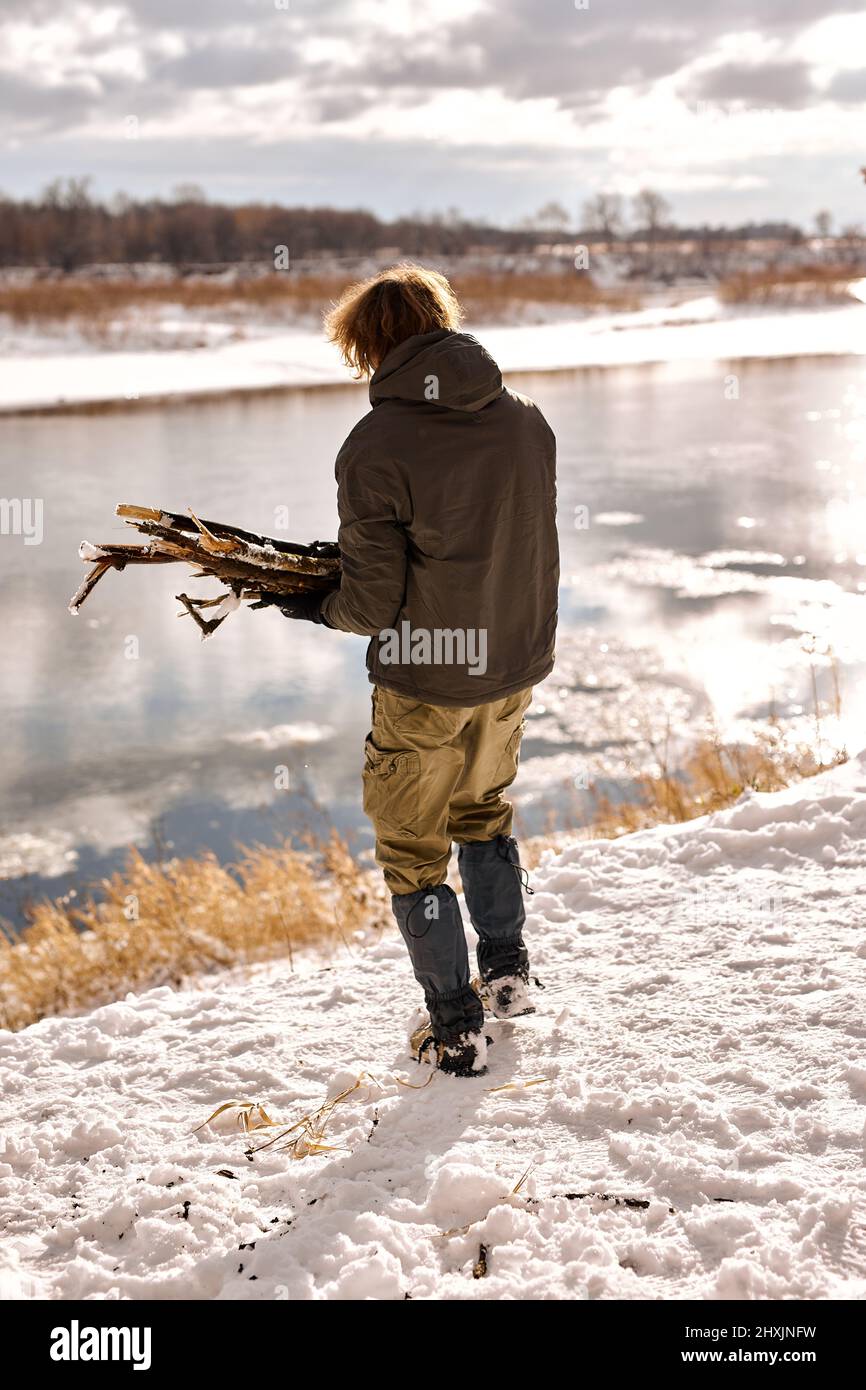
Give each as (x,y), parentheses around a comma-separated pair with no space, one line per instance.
(731,108)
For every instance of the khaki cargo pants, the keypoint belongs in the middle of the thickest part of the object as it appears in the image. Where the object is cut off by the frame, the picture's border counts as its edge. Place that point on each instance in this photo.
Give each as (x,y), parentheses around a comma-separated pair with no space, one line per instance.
(435,774)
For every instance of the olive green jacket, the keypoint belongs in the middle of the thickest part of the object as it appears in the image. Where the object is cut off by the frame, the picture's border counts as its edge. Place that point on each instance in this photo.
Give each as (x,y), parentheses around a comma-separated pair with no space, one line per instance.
(447,504)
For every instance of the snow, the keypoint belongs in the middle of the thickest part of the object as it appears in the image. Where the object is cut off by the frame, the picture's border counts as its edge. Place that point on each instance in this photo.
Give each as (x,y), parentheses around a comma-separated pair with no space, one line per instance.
(36,372)
(696,1067)
(230,604)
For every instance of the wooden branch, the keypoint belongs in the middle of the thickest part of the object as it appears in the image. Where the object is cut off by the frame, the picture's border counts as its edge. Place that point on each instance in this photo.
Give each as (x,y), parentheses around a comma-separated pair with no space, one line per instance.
(88,586)
(143,513)
(226,567)
(176,521)
(205,628)
(247,564)
(201,550)
(109,557)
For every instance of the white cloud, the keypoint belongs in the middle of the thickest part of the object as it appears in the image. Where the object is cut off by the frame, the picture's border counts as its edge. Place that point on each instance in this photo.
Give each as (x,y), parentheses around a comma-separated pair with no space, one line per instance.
(694,98)
(835,44)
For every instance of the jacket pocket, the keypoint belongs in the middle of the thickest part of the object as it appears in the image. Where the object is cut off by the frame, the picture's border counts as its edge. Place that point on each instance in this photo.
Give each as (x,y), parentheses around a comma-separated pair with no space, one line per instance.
(391,790)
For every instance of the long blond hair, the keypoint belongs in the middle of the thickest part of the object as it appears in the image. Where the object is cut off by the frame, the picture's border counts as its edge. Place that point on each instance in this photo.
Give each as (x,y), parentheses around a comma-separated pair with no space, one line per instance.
(373,316)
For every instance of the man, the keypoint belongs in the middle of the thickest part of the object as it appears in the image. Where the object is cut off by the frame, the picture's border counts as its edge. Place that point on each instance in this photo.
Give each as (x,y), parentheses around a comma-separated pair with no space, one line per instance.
(447,502)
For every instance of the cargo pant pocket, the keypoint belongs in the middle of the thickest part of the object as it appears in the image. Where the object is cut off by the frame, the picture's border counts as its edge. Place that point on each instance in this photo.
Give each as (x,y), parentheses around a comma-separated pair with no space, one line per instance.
(510,760)
(391,791)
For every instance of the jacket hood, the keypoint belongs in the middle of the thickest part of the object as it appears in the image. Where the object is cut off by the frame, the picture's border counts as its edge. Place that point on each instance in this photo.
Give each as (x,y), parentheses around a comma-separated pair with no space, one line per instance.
(449,369)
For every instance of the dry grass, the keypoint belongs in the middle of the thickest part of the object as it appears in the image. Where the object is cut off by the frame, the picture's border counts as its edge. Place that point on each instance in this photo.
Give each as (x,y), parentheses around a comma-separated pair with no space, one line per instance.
(302,1139)
(95,303)
(791,286)
(491,296)
(163,923)
(713,776)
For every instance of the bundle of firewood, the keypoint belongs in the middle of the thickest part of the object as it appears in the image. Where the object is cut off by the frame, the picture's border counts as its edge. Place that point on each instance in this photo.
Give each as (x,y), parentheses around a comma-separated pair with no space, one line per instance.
(246,564)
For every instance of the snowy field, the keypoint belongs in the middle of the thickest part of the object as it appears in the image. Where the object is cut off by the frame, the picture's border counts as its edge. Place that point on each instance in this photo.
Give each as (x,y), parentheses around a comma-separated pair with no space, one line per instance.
(39,372)
(698,1130)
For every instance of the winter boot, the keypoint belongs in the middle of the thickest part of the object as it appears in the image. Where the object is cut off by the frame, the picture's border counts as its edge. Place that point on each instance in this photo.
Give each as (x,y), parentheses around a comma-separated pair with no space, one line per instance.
(431,925)
(492,883)
(506,997)
(466,1056)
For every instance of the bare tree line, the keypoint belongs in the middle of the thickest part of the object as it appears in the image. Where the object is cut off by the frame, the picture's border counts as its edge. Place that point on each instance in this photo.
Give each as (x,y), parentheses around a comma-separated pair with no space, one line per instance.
(66,228)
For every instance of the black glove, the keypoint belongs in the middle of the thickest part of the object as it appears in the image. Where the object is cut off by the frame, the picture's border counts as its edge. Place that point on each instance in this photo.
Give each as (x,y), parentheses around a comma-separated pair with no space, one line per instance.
(303,606)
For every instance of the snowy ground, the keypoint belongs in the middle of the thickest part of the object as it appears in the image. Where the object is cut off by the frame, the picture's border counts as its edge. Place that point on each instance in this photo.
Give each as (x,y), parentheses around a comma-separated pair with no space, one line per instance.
(39,371)
(701,1039)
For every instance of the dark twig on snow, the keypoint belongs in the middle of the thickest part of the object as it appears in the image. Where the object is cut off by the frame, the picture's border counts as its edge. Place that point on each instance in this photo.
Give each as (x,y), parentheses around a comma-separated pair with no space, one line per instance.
(638,1203)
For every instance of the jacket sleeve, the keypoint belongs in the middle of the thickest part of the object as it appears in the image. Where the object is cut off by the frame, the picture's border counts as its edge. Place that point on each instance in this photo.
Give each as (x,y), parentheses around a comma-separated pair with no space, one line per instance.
(372,545)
